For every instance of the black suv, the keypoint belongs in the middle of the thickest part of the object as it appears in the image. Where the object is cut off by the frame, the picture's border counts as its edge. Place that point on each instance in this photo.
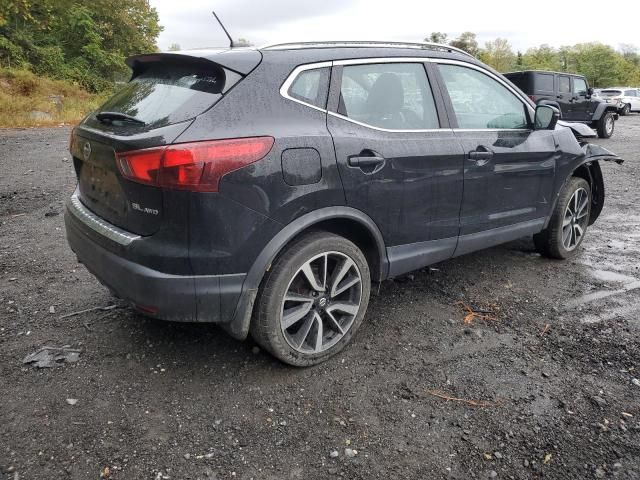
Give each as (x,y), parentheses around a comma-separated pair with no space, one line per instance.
(569,93)
(266,189)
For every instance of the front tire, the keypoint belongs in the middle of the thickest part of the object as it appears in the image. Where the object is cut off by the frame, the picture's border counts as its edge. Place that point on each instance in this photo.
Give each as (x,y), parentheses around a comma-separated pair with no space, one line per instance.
(312,300)
(569,221)
(606,125)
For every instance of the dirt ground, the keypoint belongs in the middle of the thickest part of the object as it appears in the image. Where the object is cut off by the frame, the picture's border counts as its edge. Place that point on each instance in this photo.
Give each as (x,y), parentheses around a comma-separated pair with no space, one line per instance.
(550,381)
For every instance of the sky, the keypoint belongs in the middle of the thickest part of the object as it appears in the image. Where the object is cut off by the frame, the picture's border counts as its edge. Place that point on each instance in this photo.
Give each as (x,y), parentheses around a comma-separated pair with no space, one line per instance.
(190,23)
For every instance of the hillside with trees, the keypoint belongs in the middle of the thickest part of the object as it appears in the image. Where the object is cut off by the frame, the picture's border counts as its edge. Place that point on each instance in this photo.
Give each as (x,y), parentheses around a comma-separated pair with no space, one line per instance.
(82,41)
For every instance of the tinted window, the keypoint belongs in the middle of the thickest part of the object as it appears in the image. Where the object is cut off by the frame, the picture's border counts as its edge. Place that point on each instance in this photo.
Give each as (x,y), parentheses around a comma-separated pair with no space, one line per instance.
(519,80)
(579,86)
(564,84)
(395,96)
(165,94)
(611,93)
(630,93)
(544,82)
(479,101)
(311,86)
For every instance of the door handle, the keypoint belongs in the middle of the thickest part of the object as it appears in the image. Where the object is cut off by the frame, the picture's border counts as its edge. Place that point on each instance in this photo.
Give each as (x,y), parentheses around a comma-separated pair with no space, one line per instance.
(478,155)
(360,161)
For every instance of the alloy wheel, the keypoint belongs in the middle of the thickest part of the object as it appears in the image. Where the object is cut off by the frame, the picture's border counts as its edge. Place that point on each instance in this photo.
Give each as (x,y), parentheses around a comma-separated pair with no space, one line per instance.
(609,125)
(321,302)
(576,217)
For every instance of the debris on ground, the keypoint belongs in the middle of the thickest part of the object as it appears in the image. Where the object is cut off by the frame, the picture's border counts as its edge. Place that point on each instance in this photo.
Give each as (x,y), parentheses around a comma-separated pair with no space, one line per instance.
(49,357)
(473,314)
(547,327)
(72,401)
(94,309)
(474,403)
(350,453)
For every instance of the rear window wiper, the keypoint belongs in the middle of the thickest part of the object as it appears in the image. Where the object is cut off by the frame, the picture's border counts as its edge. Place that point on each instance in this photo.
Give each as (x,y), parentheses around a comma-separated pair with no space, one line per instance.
(108,117)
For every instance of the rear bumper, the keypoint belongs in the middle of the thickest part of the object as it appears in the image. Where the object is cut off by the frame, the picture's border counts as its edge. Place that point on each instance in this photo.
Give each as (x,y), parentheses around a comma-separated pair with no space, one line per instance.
(183,298)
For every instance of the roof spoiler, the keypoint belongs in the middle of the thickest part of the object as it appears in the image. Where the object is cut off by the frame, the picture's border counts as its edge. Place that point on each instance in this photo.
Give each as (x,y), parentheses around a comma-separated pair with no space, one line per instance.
(241,61)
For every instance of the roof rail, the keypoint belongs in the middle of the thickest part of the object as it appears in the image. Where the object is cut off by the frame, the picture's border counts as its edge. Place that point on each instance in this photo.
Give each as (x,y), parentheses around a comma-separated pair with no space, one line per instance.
(366,44)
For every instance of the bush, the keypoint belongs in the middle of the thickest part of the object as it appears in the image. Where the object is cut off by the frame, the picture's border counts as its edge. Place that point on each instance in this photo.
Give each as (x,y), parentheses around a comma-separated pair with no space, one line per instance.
(23,82)
(22,92)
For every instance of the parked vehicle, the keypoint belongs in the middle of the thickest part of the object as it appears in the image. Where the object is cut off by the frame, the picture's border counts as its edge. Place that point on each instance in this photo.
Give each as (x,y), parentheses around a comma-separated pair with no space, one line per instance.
(626,98)
(571,94)
(266,189)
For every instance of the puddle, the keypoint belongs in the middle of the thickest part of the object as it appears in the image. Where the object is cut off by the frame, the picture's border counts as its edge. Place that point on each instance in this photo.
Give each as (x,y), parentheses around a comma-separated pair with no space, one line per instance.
(626,311)
(609,276)
(600,294)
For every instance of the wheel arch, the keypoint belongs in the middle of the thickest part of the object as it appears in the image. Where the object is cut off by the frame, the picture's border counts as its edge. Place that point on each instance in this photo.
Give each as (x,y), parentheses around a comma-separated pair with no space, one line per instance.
(602,109)
(590,171)
(346,221)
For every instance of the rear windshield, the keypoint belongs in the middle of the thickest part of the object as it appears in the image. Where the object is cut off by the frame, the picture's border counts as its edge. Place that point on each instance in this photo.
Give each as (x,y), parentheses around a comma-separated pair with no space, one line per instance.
(610,93)
(164,94)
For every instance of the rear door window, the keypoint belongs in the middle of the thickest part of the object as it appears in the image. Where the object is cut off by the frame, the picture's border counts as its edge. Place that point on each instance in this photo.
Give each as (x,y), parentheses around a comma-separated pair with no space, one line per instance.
(630,93)
(164,94)
(480,102)
(393,96)
(564,84)
(311,87)
(544,82)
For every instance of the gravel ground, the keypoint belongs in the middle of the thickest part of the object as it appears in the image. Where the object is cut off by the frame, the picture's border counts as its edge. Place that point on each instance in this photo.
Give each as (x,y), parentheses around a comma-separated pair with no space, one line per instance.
(548,385)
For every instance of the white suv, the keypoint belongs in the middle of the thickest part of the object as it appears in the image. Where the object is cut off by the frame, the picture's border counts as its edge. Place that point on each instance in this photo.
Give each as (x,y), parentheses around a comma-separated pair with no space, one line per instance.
(629,98)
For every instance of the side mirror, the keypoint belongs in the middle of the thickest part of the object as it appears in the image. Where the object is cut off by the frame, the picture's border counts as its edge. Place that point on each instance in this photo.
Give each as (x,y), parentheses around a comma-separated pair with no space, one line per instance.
(546,117)
(590,91)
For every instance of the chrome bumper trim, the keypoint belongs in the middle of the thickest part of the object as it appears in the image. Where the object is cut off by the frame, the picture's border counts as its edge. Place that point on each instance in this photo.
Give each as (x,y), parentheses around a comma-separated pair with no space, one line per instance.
(97,224)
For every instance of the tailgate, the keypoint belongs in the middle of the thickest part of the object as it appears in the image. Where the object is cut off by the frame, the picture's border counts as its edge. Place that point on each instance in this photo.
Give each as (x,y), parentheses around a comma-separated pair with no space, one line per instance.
(131,206)
(166,92)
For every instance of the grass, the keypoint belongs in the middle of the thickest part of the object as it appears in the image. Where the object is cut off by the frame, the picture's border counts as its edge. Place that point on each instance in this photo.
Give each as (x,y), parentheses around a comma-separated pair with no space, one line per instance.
(22,93)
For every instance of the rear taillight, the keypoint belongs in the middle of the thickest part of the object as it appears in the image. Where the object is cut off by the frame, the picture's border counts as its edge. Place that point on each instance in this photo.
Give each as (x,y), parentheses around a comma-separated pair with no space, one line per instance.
(197,166)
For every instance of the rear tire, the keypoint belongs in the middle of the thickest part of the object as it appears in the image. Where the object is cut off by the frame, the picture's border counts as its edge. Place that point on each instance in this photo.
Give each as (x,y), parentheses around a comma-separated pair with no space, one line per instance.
(606,125)
(625,110)
(569,221)
(312,300)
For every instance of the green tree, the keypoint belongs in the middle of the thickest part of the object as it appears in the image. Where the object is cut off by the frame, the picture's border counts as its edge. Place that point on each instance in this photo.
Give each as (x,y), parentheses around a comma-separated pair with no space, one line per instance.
(174,47)
(499,55)
(543,57)
(81,40)
(467,42)
(437,37)
(630,53)
(598,62)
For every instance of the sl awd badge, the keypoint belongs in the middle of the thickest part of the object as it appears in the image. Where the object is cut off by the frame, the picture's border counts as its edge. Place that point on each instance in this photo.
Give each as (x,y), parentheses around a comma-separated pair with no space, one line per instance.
(139,208)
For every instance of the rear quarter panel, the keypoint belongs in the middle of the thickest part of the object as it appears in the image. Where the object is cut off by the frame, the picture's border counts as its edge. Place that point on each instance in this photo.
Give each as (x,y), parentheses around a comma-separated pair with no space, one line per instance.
(255,108)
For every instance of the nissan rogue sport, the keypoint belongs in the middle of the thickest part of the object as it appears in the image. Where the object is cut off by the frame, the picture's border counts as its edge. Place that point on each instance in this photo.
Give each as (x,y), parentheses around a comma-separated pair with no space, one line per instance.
(266,189)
